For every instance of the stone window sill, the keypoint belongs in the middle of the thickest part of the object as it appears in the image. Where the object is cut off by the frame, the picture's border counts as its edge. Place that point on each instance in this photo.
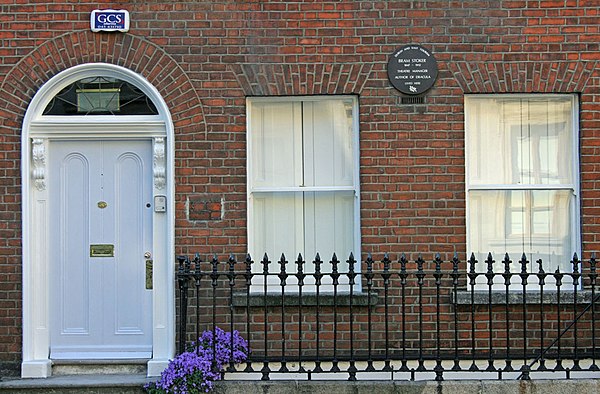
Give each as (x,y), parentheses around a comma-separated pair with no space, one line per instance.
(359,299)
(481,297)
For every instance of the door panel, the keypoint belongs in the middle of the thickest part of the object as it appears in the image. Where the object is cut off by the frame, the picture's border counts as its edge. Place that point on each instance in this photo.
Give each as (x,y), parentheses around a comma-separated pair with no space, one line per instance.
(74,281)
(129,226)
(99,191)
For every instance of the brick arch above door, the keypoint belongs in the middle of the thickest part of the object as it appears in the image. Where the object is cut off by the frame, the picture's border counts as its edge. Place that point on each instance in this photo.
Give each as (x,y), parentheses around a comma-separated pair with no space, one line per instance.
(135,53)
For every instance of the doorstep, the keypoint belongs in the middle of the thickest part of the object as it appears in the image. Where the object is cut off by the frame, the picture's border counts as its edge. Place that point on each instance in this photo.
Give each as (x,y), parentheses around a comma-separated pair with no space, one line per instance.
(68,384)
(99,367)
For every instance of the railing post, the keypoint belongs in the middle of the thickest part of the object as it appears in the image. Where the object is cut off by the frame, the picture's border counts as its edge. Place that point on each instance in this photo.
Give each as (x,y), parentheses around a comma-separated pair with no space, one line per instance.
(214,276)
(318,277)
(335,275)
(558,280)
(420,283)
(472,280)
(439,370)
(542,281)
(369,277)
(352,281)
(593,277)
(265,369)
(248,276)
(455,276)
(524,275)
(507,277)
(403,275)
(576,276)
(196,273)
(490,282)
(386,284)
(231,277)
(300,278)
(182,280)
(282,282)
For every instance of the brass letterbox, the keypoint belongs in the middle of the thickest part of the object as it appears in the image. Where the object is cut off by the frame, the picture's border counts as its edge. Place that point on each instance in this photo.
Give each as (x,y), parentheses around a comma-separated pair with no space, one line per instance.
(102,250)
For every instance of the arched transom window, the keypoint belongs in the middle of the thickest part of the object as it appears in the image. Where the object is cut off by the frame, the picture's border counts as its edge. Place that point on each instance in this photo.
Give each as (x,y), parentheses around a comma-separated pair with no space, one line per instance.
(100,96)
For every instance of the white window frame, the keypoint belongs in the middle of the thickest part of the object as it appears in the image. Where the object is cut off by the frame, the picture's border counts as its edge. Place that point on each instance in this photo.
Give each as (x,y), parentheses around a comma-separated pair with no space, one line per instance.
(274,268)
(574,187)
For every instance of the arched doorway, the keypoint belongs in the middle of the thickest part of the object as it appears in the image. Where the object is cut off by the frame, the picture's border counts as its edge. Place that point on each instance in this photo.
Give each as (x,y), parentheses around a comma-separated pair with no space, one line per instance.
(98,221)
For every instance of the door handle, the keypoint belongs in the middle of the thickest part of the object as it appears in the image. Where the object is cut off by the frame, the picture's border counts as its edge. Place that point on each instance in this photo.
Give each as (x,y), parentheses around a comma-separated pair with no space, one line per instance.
(149,269)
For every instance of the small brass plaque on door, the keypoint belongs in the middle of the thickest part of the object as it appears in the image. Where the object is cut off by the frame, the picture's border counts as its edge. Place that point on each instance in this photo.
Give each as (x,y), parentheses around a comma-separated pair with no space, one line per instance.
(102,250)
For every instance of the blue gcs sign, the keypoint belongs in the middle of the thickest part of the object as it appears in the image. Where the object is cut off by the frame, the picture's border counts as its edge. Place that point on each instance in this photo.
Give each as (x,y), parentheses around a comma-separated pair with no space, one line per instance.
(109,20)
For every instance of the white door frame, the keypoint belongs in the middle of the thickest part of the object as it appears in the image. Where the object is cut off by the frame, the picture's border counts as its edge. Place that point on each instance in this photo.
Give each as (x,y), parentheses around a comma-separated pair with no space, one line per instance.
(37,131)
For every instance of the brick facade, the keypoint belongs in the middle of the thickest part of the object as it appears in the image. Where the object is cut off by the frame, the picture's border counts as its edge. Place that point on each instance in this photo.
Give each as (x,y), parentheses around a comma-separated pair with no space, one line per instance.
(206,57)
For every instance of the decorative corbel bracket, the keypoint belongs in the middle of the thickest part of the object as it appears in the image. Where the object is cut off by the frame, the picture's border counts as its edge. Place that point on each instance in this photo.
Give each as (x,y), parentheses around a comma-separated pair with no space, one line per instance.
(38,159)
(160,171)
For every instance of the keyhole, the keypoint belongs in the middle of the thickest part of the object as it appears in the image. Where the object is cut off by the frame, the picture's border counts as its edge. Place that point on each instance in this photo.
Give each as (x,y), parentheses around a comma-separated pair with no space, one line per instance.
(148,205)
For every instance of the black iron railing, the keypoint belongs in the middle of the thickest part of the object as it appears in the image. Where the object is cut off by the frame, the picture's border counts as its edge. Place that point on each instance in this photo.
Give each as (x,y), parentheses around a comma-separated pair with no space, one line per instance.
(403,319)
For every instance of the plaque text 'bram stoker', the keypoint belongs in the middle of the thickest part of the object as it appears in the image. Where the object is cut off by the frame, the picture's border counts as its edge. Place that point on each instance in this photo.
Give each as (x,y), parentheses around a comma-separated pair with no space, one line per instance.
(412,69)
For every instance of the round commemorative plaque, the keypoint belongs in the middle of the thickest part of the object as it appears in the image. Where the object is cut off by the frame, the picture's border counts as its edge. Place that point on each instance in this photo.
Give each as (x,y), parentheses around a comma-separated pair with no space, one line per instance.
(412,69)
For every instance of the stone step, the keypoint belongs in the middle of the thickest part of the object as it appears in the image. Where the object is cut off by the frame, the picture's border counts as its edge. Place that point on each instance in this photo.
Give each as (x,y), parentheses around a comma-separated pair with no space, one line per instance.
(99,367)
(71,384)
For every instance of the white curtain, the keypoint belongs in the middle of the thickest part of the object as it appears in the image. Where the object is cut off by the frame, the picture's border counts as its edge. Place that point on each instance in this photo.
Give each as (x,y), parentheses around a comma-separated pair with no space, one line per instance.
(520,179)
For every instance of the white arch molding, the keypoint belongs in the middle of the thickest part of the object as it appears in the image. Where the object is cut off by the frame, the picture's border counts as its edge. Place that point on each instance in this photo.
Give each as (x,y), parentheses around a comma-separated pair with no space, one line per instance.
(37,131)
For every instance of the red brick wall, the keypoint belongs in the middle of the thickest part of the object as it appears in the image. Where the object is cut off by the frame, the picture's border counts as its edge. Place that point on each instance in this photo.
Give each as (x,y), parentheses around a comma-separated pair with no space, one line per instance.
(206,57)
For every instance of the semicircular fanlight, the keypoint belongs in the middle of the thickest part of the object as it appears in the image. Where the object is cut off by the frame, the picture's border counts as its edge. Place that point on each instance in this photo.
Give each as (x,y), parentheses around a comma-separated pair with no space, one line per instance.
(100,96)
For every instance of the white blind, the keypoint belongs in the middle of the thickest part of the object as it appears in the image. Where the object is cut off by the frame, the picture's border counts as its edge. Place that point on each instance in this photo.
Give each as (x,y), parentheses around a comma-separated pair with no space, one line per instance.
(302,192)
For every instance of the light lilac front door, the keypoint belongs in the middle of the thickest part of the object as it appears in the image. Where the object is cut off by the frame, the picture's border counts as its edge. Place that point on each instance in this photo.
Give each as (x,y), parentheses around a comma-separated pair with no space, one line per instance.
(100,230)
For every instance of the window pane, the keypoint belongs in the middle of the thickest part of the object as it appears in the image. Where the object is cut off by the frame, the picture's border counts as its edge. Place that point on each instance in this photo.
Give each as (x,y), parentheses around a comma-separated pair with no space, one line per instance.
(277,226)
(305,223)
(276,144)
(100,96)
(329,223)
(534,222)
(328,143)
(519,141)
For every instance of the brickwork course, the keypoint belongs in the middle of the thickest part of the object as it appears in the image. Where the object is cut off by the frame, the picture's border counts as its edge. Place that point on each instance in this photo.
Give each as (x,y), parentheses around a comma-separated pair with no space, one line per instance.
(206,57)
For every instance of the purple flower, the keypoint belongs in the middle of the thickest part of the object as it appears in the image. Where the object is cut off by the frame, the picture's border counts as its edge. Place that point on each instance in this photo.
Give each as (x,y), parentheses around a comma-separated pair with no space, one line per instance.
(194,371)
(229,347)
